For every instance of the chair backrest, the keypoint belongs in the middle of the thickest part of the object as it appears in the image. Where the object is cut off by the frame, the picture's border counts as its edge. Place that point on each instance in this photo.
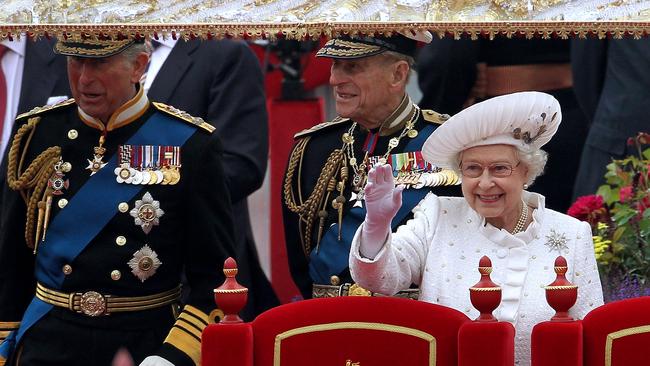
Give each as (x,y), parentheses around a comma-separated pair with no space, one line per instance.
(357,331)
(618,333)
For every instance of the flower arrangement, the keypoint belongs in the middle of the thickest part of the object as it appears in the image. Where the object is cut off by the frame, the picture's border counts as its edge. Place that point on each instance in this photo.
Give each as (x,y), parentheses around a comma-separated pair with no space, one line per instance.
(619,214)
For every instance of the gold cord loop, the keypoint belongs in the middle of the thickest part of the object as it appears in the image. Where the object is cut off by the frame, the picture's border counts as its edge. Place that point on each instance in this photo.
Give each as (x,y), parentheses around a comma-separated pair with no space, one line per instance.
(32,183)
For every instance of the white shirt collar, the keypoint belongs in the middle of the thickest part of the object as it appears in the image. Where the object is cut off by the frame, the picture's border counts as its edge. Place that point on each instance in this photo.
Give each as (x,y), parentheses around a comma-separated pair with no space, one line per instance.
(17,45)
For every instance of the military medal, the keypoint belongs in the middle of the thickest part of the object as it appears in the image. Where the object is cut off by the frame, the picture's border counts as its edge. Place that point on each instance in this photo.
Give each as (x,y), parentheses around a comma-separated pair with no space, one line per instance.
(137,177)
(144,263)
(145,177)
(123,173)
(147,212)
(57,182)
(357,198)
(149,164)
(97,162)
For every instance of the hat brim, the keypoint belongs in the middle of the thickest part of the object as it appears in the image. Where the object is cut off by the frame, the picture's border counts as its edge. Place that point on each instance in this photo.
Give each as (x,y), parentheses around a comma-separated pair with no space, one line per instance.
(526,119)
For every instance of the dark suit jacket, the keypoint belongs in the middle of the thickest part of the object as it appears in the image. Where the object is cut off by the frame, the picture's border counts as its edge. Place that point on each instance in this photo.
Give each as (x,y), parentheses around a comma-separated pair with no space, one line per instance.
(221,82)
(612,87)
(44,75)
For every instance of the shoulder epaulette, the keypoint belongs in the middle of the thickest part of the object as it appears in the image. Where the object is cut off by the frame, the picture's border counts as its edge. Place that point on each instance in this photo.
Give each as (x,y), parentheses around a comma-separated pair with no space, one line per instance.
(45,108)
(320,126)
(434,117)
(182,115)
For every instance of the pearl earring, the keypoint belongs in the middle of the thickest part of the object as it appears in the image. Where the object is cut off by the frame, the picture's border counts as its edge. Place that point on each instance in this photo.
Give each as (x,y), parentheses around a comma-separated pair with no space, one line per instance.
(525,186)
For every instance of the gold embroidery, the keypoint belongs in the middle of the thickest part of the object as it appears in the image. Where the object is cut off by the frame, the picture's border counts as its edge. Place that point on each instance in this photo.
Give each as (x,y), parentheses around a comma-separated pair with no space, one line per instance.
(197,121)
(611,337)
(102,47)
(338,47)
(431,340)
(45,108)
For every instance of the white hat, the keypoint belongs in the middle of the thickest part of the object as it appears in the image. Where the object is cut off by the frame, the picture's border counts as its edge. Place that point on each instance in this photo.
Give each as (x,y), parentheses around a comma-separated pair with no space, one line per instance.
(527,119)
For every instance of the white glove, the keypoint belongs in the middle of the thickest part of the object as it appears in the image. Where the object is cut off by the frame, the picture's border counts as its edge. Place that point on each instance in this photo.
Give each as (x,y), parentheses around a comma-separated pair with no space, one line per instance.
(155,361)
(383,200)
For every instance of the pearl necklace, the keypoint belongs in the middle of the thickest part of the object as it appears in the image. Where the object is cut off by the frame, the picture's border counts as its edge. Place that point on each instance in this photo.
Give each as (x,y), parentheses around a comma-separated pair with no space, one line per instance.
(523,217)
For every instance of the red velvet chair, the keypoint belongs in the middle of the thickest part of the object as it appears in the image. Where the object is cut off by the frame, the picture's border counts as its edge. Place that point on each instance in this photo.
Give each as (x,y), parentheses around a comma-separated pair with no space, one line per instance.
(615,334)
(618,333)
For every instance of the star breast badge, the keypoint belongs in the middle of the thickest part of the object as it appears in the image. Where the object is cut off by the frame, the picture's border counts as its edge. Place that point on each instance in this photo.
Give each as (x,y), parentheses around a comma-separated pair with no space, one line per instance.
(144,263)
(147,212)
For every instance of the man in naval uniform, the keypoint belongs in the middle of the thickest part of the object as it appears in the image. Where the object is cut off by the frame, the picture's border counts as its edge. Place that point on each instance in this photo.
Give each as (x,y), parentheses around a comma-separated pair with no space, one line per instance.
(326,173)
(109,198)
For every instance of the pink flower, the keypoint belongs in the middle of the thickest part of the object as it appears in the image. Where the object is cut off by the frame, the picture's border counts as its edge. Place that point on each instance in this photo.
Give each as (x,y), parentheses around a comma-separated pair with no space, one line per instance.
(643,205)
(625,194)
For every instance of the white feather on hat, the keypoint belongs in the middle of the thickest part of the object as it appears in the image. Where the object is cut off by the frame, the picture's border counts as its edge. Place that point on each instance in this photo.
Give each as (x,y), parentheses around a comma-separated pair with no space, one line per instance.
(527,119)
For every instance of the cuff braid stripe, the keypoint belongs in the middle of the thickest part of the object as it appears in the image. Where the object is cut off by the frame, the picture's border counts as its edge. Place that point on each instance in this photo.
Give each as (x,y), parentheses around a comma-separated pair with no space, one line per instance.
(186,343)
(189,309)
(186,321)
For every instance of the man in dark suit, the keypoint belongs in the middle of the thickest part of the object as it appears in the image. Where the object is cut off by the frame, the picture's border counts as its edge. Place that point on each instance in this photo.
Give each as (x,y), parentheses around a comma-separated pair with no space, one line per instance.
(221,82)
(43,78)
(611,81)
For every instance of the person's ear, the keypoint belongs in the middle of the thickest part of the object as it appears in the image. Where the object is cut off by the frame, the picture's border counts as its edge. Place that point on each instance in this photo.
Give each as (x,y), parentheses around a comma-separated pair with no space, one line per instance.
(400,72)
(139,66)
(526,176)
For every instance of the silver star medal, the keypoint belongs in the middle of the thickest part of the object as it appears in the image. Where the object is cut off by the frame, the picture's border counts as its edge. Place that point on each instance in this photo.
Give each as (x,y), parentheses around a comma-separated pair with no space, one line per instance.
(96,164)
(357,198)
(144,263)
(556,241)
(147,212)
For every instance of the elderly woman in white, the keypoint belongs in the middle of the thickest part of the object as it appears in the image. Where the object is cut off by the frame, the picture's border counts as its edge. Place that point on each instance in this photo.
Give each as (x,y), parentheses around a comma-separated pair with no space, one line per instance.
(495,146)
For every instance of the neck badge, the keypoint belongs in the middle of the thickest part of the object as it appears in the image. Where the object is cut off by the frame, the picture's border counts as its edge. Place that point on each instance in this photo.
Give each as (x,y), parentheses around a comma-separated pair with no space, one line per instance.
(97,162)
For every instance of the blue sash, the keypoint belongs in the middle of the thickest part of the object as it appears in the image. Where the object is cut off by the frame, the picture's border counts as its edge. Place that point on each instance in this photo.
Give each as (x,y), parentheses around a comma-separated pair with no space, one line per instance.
(88,215)
(332,256)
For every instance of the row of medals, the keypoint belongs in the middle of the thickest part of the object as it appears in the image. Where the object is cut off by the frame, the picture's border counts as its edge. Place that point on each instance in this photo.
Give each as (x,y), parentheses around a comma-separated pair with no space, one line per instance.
(165,175)
(417,180)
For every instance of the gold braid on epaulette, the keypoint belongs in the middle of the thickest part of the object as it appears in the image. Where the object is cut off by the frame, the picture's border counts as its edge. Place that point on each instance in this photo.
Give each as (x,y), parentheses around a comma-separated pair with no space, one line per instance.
(308,211)
(32,183)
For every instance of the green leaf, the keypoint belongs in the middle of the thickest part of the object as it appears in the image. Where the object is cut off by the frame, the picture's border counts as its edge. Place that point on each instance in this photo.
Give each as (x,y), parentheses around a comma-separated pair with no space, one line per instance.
(617,236)
(623,214)
(606,192)
(646,154)
(644,227)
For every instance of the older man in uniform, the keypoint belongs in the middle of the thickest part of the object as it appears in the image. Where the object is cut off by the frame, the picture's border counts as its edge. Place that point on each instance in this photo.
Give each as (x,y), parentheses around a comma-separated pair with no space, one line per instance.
(326,174)
(110,197)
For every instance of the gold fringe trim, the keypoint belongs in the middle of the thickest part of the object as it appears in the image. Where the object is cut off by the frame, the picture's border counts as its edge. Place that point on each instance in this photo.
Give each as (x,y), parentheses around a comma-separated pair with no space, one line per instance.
(543,29)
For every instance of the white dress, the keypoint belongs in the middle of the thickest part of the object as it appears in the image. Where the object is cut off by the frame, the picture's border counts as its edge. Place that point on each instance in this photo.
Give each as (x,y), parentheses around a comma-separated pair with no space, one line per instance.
(439,250)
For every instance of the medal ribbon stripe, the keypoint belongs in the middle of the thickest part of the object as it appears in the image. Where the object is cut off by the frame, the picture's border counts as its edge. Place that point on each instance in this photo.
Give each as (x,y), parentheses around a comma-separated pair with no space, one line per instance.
(332,257)
(62,245)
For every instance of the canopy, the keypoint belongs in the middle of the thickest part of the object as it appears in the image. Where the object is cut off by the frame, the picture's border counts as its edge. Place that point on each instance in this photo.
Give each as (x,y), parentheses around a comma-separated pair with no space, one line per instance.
(299,19)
